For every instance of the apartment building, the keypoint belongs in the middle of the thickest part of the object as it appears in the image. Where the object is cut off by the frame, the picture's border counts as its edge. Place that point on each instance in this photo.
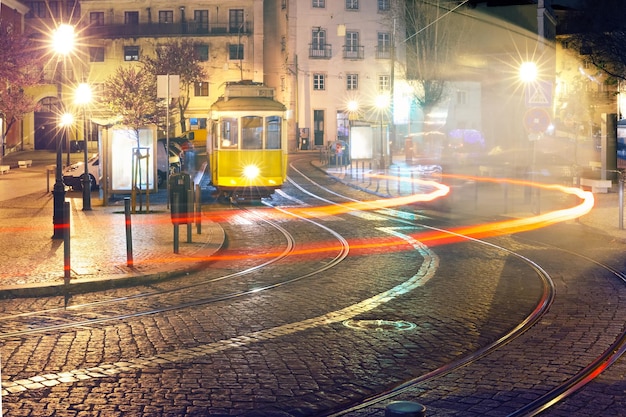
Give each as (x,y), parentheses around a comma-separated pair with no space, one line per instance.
(331,61)
(228,36)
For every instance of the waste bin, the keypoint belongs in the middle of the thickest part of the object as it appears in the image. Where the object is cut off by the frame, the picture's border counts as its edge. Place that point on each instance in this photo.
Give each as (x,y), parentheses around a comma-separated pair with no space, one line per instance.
(180,198)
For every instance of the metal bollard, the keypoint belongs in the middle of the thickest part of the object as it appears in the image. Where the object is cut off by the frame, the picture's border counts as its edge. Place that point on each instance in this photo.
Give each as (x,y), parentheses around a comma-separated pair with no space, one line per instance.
(405,409)
(129,233)
(621,200)
(67,267)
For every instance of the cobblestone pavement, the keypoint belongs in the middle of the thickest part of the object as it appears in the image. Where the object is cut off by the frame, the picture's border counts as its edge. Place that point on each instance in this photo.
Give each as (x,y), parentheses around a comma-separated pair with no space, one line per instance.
(99,256)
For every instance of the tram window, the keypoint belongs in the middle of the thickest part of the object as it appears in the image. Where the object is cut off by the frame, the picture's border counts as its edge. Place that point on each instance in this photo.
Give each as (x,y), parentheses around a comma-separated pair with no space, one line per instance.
(272,132)
(229,133)
(251,132)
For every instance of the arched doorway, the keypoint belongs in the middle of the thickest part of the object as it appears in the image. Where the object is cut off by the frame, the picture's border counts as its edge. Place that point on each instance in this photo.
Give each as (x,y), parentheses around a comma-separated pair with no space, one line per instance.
(46,123)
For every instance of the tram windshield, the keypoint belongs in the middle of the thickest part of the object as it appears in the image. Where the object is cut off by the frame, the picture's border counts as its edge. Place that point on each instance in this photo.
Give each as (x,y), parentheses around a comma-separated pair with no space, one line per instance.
(251,132)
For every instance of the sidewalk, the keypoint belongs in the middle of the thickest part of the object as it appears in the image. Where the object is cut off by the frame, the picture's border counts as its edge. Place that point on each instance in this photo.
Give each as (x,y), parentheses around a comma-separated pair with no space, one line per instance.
(32,263)
(473,196)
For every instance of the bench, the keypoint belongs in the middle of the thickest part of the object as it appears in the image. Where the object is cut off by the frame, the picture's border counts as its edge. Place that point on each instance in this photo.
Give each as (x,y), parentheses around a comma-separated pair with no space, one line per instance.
(597,186)
(25,163)
(4,169)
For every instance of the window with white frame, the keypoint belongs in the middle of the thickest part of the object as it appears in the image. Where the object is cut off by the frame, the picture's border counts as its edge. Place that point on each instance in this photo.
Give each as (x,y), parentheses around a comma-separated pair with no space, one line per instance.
(384,83)
(319,81)
(318,39)
(383,5)
(352,41)
(352,4)
(384,44)
(320,4)
(352,81)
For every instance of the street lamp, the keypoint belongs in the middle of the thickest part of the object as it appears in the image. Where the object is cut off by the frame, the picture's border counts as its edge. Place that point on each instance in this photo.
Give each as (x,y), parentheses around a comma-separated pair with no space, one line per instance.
(83,98)
(382,102)
(528,74)
(63,39)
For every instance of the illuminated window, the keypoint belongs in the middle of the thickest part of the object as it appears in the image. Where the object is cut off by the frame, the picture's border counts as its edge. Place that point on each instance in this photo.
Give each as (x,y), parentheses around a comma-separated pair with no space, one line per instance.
(131,53)
(201,89)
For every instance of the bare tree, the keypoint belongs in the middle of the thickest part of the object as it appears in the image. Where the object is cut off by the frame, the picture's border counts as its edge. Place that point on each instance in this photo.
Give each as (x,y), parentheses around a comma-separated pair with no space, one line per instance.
(131,94)
(178,58)
(430,44)
(599,33)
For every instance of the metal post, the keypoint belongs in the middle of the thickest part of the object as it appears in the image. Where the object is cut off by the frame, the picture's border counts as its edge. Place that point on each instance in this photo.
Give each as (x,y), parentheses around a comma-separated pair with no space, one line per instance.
(621,200)
(87,178)
(58,193)
(129,233)
(198,210)
(67,268)
(176,210)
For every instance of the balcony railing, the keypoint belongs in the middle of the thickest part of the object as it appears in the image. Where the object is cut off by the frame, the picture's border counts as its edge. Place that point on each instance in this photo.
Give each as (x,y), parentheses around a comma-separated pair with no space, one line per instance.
(383,53)
(167,29)
(320,51)
(353,52)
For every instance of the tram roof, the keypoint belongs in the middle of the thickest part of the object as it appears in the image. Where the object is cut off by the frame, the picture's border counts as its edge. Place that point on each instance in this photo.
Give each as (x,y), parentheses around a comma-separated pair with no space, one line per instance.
(248,104)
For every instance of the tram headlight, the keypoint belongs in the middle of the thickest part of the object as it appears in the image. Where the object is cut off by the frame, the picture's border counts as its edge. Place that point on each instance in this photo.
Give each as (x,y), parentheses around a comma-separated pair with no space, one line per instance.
(251,172)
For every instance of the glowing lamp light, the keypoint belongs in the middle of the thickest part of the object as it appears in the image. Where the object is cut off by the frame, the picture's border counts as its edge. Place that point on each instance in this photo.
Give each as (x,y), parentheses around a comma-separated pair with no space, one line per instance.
(251,172)
(67,119)
(64,39)
(528,72)
(83,94)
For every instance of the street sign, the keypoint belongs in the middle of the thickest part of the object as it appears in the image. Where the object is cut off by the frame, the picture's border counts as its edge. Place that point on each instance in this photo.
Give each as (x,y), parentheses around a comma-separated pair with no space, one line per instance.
(539,94)
(536,120)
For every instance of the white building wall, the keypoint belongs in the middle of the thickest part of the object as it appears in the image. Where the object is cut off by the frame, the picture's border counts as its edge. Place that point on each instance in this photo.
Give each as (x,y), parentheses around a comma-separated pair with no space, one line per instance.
(334,19)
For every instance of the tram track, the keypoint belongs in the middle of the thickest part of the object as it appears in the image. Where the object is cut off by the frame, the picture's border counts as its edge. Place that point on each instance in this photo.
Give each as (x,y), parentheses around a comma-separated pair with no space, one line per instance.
(357,303)
(550,398)
(102,311)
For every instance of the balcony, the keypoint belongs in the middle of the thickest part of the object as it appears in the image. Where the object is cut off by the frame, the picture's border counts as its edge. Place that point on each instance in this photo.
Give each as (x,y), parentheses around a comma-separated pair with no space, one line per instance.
(353,52)
(190,28)
(317,51)
(383,52)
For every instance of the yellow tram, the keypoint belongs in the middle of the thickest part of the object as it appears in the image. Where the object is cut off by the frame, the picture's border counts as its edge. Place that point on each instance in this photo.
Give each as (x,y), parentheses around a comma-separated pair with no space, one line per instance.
(247,142)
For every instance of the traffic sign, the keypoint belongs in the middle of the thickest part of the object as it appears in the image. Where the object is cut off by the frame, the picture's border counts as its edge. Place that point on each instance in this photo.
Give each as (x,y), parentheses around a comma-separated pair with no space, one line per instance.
(537,120)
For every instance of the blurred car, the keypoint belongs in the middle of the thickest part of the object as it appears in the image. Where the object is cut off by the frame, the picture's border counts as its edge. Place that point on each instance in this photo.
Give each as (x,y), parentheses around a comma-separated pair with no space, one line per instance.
(73,175)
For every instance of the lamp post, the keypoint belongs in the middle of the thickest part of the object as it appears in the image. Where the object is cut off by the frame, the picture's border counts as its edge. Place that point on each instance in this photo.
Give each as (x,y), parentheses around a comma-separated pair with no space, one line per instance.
(83,97)
(382,102)
(62,42)
(528,74)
